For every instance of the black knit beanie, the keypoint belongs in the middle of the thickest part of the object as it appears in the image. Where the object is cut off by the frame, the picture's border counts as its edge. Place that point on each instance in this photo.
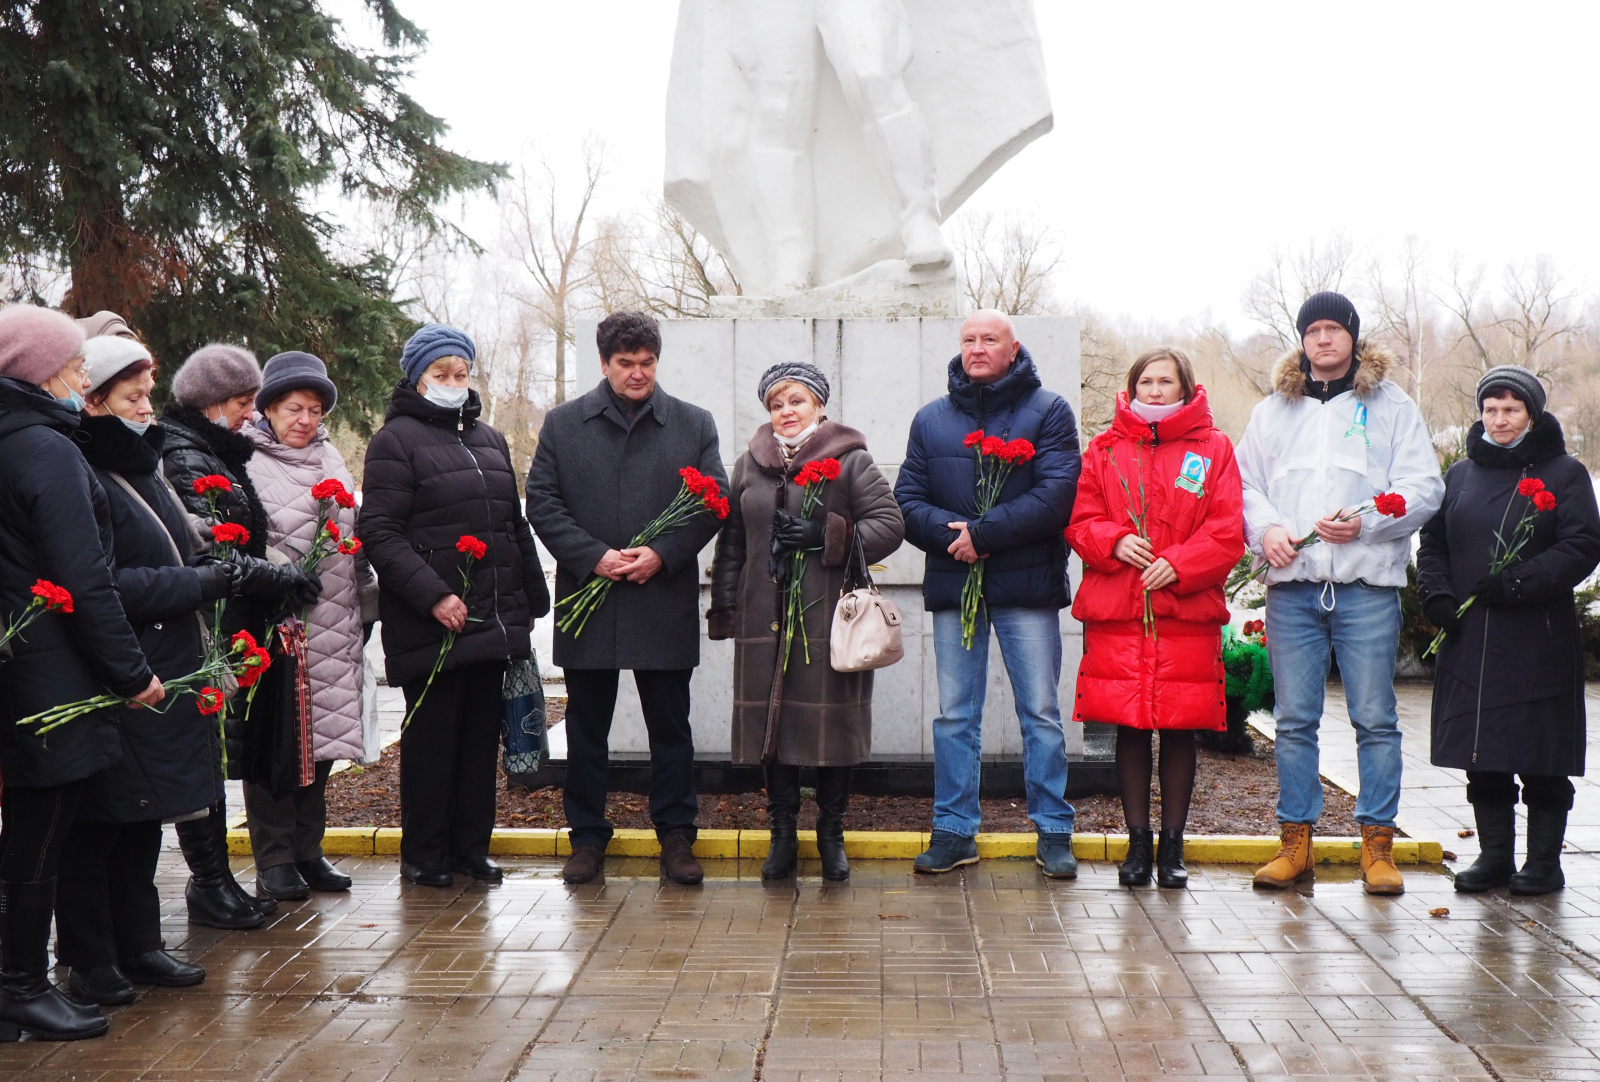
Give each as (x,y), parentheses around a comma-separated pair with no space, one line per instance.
(1329,305)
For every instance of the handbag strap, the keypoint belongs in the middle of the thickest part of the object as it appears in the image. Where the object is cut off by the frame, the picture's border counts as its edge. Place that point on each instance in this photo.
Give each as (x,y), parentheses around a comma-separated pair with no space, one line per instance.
(151,511)
(857,575)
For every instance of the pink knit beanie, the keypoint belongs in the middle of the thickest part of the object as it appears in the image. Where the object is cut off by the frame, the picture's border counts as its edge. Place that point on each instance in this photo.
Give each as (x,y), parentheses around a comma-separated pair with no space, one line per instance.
(36,343)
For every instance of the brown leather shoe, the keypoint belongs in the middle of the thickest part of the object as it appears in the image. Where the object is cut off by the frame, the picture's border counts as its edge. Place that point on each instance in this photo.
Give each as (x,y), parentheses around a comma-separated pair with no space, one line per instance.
(677,861)
(1293,864)
(584,865)
(1378,873)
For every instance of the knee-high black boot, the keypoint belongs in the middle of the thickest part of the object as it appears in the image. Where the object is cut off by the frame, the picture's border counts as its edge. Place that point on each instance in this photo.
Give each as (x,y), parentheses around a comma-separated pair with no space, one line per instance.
(1497,858)
(833,800)
(783,809)
(1542,874)
(214,898)
(29,1003)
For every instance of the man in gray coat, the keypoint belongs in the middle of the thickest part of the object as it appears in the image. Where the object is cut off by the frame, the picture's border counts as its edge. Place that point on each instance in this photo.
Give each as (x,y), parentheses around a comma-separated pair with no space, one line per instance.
(606,465)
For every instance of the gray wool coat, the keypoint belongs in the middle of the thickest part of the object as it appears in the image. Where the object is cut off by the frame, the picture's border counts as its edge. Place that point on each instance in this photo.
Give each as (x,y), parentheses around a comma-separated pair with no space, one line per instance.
(594,484)
(823,717)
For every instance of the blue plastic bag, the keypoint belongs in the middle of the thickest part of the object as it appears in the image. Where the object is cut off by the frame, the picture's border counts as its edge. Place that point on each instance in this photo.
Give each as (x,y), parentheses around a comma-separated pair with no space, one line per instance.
(523,736)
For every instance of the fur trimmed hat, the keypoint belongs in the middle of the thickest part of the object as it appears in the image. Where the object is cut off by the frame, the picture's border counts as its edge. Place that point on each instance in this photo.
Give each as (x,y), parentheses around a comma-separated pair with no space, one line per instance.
(216,373)
(36,343)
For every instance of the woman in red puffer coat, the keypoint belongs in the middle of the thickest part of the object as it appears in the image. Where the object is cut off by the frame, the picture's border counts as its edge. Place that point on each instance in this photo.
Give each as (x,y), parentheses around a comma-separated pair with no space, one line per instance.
(1159,514)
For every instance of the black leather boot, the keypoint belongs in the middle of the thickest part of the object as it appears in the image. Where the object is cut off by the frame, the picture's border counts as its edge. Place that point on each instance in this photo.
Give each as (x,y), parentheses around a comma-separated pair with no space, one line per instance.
(1170,872)
(1542,874)
(783,809)
(29,1003)
(833,800)
(1497,857)
(1135,871)
(214,898)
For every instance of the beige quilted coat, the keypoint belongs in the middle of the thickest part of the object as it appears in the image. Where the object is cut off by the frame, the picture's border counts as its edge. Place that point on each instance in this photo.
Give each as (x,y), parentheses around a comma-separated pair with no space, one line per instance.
(283,477)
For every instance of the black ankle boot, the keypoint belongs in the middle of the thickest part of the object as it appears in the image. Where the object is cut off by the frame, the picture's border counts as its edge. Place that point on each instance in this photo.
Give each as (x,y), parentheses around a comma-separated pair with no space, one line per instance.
(1497,856)
(833,801)
(214,898)
(1170,872)
(29,1003)
(1542,873)
(783,809)
(1135,871)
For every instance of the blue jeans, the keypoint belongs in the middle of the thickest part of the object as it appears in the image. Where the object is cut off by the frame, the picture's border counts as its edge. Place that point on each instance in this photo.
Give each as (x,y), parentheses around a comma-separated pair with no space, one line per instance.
(1030,642)
(1361,624)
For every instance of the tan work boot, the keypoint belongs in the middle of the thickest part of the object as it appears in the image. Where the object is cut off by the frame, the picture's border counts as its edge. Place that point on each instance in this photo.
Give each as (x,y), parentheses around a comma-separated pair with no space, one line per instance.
(1378,873)
(1293,862)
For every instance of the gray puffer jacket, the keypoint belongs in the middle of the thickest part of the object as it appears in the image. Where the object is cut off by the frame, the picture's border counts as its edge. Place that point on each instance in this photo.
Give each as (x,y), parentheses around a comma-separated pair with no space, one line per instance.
(283,477)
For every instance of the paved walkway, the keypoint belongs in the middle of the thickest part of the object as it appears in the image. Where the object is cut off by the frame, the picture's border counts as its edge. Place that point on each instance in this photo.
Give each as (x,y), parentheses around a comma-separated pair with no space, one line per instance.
(990,973)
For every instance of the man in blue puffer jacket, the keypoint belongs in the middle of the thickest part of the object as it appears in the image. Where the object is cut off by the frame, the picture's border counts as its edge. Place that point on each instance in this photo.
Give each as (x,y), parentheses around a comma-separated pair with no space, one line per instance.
(994,387)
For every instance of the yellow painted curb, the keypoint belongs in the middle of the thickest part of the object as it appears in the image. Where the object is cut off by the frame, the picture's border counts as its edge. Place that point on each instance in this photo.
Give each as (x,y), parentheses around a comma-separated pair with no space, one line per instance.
(861,845)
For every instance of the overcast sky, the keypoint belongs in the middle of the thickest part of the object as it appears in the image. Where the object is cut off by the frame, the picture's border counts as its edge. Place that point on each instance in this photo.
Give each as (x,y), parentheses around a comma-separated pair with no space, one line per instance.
(1190,138)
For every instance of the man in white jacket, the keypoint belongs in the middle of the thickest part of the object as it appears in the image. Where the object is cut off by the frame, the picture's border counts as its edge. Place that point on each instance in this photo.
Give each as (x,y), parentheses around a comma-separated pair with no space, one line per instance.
(1335,433)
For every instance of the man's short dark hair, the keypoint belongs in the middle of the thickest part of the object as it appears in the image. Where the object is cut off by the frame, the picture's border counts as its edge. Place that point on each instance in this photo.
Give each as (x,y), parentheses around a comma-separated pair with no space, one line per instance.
(626,332)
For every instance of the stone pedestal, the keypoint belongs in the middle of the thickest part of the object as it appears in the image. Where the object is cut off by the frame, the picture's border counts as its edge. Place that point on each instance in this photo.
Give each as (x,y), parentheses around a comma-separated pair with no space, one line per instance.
(882,371)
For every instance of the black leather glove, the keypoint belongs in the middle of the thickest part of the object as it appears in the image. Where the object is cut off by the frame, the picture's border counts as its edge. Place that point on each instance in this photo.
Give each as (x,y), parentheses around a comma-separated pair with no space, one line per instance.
(797,534)
(308,588)
(216,580)
(1440,609)
(1490,590)
(257,578)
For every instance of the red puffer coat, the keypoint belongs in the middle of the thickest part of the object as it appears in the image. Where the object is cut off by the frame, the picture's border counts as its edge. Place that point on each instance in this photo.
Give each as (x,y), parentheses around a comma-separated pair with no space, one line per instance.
(1195,518)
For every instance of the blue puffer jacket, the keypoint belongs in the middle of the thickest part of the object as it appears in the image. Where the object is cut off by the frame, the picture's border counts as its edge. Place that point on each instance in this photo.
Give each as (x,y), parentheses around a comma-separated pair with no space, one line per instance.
(1022,534)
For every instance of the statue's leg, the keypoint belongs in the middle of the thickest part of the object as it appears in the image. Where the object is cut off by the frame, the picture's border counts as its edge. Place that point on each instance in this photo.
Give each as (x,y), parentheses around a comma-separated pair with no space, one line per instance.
(779,56)
(869,44)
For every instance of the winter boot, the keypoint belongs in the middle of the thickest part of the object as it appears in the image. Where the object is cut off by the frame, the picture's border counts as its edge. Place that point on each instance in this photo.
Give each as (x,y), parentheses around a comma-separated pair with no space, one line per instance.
(1378,872)
(1542,873)
(946,852)
(833,800)
(1497,859)
(1170,872)
(29,1003)
(1294,863)
(214,898)
(783,809)
(1135,871)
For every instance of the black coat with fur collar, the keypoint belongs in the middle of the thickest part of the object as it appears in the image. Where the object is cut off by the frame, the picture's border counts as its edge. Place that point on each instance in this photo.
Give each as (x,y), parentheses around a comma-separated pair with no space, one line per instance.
(197,447)
(1508,690)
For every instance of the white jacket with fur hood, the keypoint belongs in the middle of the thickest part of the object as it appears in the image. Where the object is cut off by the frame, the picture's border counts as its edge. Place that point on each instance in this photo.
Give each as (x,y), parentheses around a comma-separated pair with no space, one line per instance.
(1302,460)
(283,477)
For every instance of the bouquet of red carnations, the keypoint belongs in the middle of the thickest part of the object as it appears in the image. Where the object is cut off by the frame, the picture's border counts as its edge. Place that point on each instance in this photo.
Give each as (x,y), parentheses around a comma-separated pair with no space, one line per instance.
(1388,504)
(698,494)
(47,597)
(996,459)
(812,477)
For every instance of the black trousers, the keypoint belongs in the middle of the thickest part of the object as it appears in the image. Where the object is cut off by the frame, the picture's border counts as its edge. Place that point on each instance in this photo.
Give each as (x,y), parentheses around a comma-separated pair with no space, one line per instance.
(1538,790)
(288,828)
(448,767)
(34,823)
(591,702)
(107,906)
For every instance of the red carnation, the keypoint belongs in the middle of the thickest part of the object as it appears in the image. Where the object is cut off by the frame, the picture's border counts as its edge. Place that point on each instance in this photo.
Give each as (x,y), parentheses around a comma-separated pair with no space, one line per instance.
(829,468)
(230,533)
(350,546)
(327,490)
(345,500)
(991,445)
(711,490)
(210,481)
(1544,500)
(55,598)
(808,474)
(244,642)
(693,479)
(720,506)
(1528,486)
(471,546)
(1390,503)
(333,529)
(972,439)
(209,700)
(252,667)
(1017,452)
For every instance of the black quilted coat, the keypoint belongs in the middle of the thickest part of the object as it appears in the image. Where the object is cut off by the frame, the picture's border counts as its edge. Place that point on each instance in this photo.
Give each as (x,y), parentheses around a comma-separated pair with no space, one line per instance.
(170,759)
(433,475)
(55,524)
(195,448)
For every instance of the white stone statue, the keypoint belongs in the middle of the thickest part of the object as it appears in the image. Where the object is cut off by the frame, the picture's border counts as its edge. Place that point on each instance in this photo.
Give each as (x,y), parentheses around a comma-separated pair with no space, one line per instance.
(820,143)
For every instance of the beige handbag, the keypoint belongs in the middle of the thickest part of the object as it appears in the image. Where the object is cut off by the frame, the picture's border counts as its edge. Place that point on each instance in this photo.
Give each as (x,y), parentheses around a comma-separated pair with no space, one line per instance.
(866,625)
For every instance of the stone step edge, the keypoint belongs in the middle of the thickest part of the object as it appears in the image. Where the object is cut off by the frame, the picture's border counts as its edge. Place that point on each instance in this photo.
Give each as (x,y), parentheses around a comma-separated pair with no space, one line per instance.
(863,845)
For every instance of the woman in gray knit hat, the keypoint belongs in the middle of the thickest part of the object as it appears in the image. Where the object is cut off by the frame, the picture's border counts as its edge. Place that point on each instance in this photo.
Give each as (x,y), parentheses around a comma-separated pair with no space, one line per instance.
(806,714)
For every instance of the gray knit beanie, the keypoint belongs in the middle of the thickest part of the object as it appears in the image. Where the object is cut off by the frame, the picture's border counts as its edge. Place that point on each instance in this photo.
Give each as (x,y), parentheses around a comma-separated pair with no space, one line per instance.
(216,373)
(1519,381)
(296,371)
(806,375)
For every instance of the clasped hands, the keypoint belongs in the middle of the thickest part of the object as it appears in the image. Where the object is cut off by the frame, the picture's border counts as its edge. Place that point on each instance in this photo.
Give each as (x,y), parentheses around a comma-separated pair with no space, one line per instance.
(636,565)
(1136,551)
(1279,547)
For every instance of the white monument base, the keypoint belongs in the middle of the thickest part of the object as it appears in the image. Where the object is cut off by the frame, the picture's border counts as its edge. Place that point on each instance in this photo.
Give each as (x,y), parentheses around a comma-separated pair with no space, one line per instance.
(886,289)
(882,371)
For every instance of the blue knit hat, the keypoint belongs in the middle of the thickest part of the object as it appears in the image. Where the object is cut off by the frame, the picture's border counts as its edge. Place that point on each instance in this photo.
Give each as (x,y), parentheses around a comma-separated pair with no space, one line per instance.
(432,341)
(296,371)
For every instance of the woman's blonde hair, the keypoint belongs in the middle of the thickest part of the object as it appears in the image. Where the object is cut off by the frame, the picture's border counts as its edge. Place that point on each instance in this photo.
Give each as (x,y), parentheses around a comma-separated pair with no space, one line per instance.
(777,388)
(1180,361)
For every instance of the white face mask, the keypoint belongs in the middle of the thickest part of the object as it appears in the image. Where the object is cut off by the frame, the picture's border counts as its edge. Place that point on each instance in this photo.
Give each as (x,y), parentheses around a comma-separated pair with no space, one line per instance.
(451,398)
(799,437)
(221,421)
(138,428)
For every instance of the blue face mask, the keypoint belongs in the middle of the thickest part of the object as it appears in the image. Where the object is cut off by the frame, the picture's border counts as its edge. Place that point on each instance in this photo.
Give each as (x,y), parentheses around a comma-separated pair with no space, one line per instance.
(74,401)
(451,398)
(138,428)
